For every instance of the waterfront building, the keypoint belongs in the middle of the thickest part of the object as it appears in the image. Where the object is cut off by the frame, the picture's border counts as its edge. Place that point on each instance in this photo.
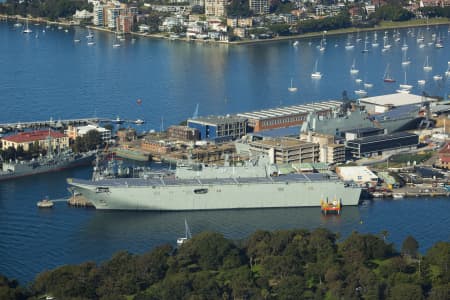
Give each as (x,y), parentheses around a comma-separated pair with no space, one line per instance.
(259,7)
(357,133)
(288,116)
(155,146)
(444,157)
(383,103)
(112,16)
(216,8)
(83,14)
(98,19)
(218,128)
(45,139)
(240,22)
(379,145)
(79,131)
(360,175)
(286,150)
(125,23)
(183,133)
(126,135)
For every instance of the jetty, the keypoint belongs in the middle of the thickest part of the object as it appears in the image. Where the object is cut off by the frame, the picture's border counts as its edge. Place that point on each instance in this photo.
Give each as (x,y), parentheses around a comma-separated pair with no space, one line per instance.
(57,124)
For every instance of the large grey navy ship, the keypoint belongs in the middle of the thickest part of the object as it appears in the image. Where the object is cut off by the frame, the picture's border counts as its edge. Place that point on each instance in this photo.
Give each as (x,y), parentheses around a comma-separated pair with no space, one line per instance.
(45,164)
(396,119)
(255,184)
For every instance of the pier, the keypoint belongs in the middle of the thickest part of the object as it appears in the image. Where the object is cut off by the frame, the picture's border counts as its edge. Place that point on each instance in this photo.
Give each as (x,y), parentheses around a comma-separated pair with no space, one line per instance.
(50,123)
(58,124)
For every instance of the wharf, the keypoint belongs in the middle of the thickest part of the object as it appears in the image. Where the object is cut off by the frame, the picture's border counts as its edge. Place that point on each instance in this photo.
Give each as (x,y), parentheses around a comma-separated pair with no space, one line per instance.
(411,193)
(57,123)
(50,123)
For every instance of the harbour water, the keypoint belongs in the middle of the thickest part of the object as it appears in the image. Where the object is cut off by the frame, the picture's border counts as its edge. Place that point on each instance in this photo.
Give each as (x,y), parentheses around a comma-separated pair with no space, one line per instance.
(49,76)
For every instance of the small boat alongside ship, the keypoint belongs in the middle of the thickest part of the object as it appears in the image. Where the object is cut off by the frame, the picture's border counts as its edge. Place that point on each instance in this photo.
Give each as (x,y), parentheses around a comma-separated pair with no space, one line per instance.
(333,207)
(45,203)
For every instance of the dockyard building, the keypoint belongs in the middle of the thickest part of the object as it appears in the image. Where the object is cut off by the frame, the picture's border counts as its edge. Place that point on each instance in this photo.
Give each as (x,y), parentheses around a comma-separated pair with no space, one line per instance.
(357,133)
(382,144)
(331,151)
(183,133)
(126,135)
(287,116)
(286,150)
(360,175)
(383,103)
(444,157)
(219,129)
(155,146)
(44,138)
(79,131)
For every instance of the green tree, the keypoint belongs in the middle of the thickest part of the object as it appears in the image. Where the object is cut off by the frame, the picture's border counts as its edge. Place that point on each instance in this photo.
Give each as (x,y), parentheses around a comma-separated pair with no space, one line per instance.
(238,8)
(410,246)
(404,291)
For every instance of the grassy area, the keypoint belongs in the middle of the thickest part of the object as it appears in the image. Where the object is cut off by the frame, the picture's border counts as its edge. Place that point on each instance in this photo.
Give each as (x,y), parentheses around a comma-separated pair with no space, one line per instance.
(417,157)
(400,160)
(381,26)
(414,22)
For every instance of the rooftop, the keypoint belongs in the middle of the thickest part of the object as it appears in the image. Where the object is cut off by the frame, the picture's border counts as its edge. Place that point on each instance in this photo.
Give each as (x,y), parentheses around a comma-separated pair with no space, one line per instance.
(384,137)
(364,130)
(445,149)
(397,99)
(216,120)
(291,110)
(282,143)
(32,136)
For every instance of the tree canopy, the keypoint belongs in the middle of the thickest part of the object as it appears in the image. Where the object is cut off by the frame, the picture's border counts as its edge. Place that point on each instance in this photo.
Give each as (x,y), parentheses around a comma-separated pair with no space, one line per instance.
(284,264)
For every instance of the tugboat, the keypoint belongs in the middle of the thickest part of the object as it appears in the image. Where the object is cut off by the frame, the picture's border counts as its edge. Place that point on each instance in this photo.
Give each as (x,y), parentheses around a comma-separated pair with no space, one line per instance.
(330,208)
(45,203)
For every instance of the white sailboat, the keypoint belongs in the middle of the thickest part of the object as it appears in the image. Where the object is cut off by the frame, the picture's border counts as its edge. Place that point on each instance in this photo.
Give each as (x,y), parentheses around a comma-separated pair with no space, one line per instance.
(349,45)
(365,50)
(316,74)
(437,77)
(438,43)
(361,93)
(116,43)
(90,35)
(27,29)
(405,45)
(368,85)
(387,75)
(421,82)
(405,85)
(322,45)
(353,69)
(292,88)
(426,66)
(405,61)
(187,236)
(447,73)
(375,42)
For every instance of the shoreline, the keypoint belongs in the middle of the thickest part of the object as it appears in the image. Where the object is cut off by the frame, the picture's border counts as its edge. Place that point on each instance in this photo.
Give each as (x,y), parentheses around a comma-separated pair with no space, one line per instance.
(386,25)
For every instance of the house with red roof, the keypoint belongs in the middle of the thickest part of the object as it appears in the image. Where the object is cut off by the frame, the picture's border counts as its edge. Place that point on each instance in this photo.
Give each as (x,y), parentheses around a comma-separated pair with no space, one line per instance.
(444,156)
(45,139)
